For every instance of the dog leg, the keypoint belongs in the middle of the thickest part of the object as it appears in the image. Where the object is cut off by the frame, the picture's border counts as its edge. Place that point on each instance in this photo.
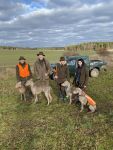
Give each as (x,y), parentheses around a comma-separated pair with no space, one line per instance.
(92,108)
(82,107)
(70,99)
(50,97)
(47,96)
(21,97)
(24,97)
(36,98)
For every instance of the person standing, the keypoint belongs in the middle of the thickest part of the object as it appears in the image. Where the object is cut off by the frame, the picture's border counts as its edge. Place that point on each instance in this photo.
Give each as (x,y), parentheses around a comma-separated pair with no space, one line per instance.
(62,75)
(41,68)
(81,75)
(23,73)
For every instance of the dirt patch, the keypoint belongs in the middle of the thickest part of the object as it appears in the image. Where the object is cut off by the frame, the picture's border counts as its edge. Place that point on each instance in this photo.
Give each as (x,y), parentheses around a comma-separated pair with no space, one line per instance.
(6,72)
(105,56)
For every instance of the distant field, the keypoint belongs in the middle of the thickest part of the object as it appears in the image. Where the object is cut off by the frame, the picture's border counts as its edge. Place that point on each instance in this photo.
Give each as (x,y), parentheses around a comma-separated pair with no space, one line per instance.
(9,57)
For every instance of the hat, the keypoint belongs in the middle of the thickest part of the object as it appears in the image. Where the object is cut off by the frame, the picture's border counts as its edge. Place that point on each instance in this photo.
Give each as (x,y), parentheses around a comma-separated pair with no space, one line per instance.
(62,58)
(21,58)
(40,53)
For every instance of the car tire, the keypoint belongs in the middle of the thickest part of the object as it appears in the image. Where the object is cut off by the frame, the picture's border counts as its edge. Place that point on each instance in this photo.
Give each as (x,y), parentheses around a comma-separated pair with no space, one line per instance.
(103,68)
(94,72)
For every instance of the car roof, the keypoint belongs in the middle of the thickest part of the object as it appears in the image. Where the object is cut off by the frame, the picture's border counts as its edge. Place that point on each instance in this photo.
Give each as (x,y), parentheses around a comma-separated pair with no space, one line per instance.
(76,57)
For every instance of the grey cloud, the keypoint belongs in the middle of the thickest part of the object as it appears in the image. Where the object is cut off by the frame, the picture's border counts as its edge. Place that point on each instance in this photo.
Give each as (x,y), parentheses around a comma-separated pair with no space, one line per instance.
(60,23)
(63,3)
(11,9)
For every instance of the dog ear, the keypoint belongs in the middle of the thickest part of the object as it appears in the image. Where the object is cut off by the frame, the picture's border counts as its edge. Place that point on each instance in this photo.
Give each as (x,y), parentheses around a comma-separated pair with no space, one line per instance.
(83,93)
(17,84)
(68,83)
(30,79)
(71,83)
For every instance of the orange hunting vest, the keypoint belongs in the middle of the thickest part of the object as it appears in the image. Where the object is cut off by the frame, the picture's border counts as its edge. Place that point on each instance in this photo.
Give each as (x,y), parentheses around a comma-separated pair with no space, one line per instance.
(23,72)
(90,100)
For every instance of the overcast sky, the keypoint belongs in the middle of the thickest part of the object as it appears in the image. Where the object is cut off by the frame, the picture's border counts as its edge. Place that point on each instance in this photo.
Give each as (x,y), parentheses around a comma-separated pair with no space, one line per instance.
(45,23)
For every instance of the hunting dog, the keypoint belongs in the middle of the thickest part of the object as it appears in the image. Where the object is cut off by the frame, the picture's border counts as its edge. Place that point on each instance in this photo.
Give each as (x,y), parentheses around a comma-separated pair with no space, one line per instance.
(21,88)
(83,97)
(37,88)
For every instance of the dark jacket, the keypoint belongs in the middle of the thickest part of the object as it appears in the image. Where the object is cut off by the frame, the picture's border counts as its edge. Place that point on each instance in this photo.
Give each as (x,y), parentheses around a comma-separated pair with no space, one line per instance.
(81,76)
(18,74)
(41,68)
(62,72)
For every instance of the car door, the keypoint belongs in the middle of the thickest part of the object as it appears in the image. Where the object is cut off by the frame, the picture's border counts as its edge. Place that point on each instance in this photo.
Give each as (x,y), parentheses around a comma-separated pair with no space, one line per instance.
(72,64)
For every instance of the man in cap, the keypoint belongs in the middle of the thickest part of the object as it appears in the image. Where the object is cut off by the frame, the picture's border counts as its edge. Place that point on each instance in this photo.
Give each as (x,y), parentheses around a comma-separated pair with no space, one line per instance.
(23,73)
(62,75)
(42,68)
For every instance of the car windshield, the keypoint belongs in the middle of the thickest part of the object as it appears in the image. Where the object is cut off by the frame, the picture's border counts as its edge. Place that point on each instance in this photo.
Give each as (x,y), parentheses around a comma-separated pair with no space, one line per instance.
(72,62)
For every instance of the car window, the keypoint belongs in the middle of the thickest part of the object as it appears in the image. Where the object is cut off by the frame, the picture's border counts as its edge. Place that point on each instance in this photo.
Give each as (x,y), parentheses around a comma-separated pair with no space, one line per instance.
(72,62)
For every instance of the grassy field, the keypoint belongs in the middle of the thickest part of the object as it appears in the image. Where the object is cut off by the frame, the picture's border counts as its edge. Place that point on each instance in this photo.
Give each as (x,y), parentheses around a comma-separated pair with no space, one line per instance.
(60,126)
(10,57)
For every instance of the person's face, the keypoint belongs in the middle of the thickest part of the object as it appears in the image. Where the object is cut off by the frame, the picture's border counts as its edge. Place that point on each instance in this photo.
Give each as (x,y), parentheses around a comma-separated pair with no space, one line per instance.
(63,62)
(22,61)
(41,57)
(80,63)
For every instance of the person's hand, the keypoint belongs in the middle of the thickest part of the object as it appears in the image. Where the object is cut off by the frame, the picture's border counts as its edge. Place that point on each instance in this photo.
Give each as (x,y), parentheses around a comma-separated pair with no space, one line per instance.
(56,77)
(84,86)
(46,74)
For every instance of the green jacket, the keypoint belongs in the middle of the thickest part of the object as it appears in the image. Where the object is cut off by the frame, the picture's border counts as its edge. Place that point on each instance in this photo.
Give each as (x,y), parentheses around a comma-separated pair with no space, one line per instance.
(83,78)
(41,68)
(62,73)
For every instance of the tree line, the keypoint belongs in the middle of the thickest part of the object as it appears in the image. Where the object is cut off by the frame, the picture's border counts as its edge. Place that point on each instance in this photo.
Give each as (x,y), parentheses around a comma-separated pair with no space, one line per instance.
(96,46)
(28,48)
